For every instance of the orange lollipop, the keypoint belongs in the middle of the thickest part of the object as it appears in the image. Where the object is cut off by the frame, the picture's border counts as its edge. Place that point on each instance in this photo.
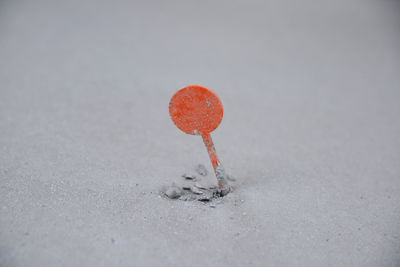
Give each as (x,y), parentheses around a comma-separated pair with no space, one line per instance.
(197,110)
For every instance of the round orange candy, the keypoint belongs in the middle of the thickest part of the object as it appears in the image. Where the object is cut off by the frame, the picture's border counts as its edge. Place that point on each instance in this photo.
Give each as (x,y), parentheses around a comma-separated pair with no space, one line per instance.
(196,110)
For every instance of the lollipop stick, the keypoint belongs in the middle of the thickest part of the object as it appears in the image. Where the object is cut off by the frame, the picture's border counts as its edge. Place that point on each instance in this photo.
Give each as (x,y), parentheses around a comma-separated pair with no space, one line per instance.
(218,169)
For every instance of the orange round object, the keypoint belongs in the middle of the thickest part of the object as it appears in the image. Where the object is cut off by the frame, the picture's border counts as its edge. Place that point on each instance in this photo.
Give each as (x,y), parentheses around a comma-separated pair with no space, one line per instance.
(196,110)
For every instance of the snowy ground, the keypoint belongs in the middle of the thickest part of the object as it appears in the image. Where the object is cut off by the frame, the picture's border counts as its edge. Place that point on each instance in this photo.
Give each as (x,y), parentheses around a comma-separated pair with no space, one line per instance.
(311,91)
